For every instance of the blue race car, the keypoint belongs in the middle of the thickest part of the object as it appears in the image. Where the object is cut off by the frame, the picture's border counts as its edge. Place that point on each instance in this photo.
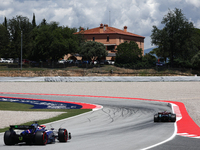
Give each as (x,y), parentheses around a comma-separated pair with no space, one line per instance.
(35,134)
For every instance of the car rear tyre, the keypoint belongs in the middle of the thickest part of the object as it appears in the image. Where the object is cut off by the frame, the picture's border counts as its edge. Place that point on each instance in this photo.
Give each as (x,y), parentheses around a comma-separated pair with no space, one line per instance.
(8,138)
(41,138)
(156,118)
(173,117)
(62,135)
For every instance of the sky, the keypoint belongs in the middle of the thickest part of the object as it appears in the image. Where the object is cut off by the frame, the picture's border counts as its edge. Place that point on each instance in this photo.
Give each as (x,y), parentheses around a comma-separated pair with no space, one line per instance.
(138,15)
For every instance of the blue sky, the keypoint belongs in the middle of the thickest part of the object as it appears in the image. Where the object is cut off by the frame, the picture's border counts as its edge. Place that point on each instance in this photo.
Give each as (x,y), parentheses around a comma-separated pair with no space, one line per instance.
(138,15)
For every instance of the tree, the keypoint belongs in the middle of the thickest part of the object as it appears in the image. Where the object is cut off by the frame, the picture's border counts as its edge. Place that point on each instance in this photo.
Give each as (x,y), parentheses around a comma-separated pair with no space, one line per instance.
(196,38)
(175,40)
(46,43)
(160,38)
(196,60)
(42,42)
(128,53)
(149,60)
(16,25)
(43,22)
(33,21)
(5,23)
(59,45)
(92,50)
(53,41)
(72,39)
(162,55)
(4,42)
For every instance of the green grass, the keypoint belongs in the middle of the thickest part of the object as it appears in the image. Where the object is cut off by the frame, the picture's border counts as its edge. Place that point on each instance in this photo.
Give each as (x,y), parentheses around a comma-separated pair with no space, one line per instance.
(11,106)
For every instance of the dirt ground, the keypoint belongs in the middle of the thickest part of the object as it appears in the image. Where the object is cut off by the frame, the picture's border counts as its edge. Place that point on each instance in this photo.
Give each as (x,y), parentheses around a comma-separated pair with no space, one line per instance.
(92,72)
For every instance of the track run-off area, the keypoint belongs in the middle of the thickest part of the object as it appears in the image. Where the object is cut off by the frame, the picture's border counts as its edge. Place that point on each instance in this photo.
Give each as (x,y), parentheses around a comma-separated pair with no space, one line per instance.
(184,125)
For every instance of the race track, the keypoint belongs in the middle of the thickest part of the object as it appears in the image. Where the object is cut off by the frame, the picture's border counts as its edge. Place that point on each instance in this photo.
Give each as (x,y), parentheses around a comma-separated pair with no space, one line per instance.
(122,123)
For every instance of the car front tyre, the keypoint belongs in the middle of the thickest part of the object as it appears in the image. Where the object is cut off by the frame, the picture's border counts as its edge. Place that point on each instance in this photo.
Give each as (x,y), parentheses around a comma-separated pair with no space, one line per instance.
(62,135)
(173,117)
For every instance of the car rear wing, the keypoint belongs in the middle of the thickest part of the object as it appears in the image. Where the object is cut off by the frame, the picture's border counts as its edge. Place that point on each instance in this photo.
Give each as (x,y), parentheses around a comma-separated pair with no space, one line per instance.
(21,127)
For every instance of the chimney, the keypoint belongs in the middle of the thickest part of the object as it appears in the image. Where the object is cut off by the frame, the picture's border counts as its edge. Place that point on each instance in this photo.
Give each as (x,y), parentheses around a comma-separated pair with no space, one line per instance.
(82,29)
(125,28)
(105,27)
(101,28)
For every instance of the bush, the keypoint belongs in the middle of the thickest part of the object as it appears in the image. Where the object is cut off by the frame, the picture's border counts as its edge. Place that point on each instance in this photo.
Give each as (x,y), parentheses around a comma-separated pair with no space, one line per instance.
(182,63)
(196,60)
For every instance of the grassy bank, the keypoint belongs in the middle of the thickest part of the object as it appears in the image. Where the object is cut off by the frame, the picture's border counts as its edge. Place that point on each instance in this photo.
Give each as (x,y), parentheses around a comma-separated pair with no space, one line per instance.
(10,106)
(92,70)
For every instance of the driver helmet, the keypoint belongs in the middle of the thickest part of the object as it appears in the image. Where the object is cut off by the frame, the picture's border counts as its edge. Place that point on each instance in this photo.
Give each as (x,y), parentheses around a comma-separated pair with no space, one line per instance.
(41,127)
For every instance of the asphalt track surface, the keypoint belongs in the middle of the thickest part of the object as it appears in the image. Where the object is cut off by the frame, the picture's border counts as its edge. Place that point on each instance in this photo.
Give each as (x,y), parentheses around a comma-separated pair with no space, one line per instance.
(121,124)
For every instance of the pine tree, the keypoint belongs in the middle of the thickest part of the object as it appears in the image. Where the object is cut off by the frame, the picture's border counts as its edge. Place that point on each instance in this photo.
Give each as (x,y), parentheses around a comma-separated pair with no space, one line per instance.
(5,22)
(33,21)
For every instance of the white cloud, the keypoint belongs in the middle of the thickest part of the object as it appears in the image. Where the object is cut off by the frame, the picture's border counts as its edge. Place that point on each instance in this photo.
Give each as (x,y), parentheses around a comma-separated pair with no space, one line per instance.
(197,24)
(196,3)
(138,15)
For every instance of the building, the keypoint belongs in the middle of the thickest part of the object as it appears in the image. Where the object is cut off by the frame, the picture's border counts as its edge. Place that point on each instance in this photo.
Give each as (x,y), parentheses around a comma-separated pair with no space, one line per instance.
(111,37)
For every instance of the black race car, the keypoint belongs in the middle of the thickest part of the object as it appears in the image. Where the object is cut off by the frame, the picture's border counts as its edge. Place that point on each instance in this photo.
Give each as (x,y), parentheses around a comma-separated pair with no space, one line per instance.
(35,134)
(165,117)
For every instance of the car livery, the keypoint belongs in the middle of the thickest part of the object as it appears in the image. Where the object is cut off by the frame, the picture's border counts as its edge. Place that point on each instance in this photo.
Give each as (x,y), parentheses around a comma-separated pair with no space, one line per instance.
(165,117)
(35,134)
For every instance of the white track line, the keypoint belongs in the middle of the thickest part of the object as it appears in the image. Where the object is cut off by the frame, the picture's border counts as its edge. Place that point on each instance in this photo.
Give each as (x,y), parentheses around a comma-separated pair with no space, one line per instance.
(173,135)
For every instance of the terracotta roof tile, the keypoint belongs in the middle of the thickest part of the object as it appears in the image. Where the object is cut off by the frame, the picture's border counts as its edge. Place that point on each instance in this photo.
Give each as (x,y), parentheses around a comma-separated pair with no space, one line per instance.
(109,30)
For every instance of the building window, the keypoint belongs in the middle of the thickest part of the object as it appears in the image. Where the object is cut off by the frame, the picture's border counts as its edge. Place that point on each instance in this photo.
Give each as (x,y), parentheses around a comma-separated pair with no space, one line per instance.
(111,48)
(119,39)
(107,38)
(93,38)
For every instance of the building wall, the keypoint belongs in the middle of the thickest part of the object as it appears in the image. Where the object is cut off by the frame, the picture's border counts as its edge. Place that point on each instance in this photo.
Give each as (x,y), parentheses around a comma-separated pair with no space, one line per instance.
(116,39)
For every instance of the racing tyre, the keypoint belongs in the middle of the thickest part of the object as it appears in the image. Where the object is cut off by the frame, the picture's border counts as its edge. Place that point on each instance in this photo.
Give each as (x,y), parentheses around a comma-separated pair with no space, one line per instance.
(173,117)
(41,138)
(62,135)
(70,136)
(156,118)
(8,138)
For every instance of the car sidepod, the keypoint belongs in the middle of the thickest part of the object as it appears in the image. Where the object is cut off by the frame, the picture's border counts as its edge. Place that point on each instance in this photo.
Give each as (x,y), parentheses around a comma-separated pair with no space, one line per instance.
(51,137)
